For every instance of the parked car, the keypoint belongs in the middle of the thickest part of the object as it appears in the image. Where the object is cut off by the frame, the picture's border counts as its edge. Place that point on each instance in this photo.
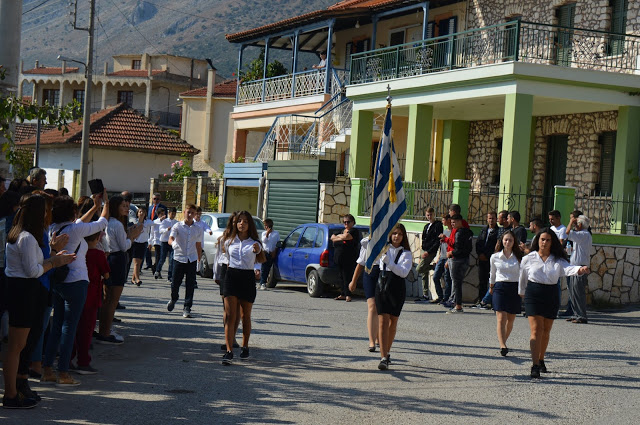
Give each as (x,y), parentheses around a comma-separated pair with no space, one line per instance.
(306,256)
(217,222)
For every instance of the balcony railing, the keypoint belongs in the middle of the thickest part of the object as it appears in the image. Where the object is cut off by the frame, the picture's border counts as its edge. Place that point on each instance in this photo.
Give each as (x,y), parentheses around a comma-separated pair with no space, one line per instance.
(512,41)
(300,84)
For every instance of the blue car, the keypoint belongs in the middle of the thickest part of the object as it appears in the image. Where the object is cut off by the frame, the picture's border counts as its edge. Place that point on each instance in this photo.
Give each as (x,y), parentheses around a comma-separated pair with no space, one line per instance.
(306,256)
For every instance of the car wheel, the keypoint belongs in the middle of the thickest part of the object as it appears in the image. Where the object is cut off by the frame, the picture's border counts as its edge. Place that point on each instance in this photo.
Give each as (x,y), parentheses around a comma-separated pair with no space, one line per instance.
(315,286)
(205,270)
(271,279)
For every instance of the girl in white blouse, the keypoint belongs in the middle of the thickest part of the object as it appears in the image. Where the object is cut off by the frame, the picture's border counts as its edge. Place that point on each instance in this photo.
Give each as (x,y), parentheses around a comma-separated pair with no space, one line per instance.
(397,261)
(539,274)
(27,298)
(239,285)
(503,285)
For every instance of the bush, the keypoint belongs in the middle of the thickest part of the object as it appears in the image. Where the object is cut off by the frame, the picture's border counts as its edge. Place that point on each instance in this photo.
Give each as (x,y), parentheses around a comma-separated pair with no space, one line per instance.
(212,202)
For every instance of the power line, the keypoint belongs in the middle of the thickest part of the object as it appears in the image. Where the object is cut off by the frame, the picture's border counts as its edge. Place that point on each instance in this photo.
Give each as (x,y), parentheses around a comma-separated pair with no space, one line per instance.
(186,13)
(35,7)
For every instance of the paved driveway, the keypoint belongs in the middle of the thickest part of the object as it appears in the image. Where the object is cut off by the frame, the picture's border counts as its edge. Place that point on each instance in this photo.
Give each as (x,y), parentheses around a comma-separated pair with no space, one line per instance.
(309,364)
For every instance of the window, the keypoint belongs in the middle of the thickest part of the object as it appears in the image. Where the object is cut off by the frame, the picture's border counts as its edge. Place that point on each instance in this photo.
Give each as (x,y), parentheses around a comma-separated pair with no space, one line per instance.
(319,238)
(510,38)
(499,149)
(78,96)
(51,96)
(207,219)
(292,240)
(125,97)
(135,64)
(618,25)
(607,143)
(308,238)
(396,37)
(566,18)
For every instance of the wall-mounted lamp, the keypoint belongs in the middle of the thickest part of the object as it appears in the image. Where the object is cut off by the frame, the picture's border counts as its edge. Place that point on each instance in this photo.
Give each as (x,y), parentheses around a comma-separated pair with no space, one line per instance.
(358,24)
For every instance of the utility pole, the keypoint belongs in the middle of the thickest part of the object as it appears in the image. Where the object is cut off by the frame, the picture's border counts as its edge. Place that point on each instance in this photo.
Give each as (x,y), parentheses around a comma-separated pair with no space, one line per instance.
(86,116)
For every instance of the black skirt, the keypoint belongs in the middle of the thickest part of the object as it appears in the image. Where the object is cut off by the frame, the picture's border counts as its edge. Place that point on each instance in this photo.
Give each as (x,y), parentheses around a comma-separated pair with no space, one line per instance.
(505,298)
(369,282)
(393,300)
(26,302)
(240,283)
(118,264)
(541,300)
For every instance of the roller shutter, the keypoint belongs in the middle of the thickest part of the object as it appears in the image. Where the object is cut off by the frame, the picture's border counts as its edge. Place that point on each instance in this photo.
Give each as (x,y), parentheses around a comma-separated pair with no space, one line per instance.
(291,203)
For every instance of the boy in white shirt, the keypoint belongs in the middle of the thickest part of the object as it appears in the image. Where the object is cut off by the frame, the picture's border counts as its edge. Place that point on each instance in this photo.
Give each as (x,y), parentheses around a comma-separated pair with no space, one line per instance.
(186,241)
(165,233)
(269,240)
(205,228)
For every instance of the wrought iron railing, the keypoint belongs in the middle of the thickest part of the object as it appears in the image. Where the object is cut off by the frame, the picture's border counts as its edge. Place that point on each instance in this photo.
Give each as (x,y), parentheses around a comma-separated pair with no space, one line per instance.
(511,41)
(418,196)
(300,84)
(611,214)
(491,199)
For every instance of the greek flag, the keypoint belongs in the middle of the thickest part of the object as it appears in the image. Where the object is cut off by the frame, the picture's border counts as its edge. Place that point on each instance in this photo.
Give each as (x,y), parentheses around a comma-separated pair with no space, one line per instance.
(388,202)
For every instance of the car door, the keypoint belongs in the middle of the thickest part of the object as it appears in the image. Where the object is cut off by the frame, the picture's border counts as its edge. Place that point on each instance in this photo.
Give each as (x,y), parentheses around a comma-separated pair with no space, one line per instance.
(208,241)
(285,255)
(303,254)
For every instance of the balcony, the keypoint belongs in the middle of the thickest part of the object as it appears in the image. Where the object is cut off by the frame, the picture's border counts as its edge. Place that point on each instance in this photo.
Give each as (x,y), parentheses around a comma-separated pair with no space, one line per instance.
(516,41)
(291,86)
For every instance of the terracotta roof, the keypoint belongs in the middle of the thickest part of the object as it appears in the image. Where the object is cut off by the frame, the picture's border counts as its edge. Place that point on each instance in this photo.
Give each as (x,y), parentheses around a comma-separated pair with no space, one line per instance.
(25,131)
(135,73)
(342,8)
(50,70)
(224,89)
(118,127)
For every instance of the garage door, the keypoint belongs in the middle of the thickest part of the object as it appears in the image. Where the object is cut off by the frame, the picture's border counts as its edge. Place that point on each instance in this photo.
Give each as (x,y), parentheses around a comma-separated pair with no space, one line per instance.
(291,203)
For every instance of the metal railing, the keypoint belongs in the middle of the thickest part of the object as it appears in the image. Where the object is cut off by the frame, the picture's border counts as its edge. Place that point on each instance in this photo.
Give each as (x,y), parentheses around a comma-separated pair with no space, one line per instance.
(300,84)
(611,214)
(418,196)
(491,198)
(511,41)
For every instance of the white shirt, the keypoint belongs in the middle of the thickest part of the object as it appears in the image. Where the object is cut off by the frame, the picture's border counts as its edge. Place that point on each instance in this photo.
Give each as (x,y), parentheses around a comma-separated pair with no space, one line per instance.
(560,231)
(146,230)
(547,272)
(77,232)
(269,242)
(405,262)
(165,229)
(240,253)
(204,226)
(504,269)
(24,257)
(222,257)
(362,258)
(185,239)
(154,235)
(133,214)
(443,246)
(117,236)
(582,242)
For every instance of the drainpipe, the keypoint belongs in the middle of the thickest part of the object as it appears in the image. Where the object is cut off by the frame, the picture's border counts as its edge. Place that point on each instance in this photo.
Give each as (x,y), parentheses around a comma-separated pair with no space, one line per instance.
(259,208)
(294,68)
(208,121)
(328,67)
(425,19)
(240,51)
(264,70)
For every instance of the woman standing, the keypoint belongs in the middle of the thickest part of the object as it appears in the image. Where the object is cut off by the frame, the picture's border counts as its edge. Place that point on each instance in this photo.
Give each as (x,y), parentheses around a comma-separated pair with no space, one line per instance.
(539,274)
(27,298)
(395,264)
(369,283)
(503,286)
(140,244)
(119,243)
(345,247)
(220,265)
(239,286)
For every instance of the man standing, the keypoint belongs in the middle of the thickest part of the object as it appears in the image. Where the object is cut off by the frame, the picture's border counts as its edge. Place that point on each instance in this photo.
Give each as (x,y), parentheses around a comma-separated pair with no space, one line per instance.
(459,258)
(430,246)
(186,241)
(454,210)
(152,214)
(269,240)
(579,234)
(561,232)
(517,228)
(38,178)
(485,247)
(503,222)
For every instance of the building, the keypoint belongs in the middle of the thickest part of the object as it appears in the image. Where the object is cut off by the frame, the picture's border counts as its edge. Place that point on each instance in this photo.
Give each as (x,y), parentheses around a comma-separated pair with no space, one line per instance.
(148,83)
(125,150)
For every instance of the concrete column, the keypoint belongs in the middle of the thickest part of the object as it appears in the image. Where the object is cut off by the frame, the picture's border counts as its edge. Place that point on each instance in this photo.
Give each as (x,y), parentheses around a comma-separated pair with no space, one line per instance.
(153,188)
(461,189)
(189,190)
(418,143)
(202,194)
(625,172)
(360,148)
(564,198)
(207,143)
(147,100)
(517,149)
(61,98)
(455,137)
(10,24)
(357,196)
(103,102)
(239,144)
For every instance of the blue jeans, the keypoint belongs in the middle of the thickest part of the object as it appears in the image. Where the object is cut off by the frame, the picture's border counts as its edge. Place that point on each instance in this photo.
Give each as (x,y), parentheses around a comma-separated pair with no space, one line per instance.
(265,268)
(164,251)
(488,298)
(438,272)
(68,302)
(37,351)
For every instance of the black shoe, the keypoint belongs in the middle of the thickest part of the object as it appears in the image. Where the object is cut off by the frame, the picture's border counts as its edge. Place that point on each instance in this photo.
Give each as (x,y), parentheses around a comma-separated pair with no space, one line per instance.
(226,359)
(22,385)
(170,305)
(186,313)
(384,363)
(195,286)
(223,347)
(244,353)
(18,402)
(535,371)
(35,375)
(504,351)
(120,307)
(372,349)
(543,367)
(116,320)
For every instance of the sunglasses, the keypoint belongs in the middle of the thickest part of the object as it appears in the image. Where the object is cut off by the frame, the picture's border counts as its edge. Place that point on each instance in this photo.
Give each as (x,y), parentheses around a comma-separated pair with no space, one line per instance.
(346,222)
(155,199)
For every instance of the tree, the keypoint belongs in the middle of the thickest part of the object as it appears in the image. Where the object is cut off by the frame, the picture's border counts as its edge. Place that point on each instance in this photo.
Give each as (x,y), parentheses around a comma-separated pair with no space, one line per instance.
(255,69)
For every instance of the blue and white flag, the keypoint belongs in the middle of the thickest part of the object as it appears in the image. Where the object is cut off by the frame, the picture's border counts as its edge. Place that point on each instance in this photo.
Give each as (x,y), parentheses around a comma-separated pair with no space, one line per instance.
(388,202)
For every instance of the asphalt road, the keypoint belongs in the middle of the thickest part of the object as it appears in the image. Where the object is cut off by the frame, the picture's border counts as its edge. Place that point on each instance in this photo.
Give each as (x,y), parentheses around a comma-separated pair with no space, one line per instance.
(309,364)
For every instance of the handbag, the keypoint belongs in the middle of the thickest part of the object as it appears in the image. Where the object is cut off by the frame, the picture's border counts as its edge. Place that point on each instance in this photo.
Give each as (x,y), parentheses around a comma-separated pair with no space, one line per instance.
(385,278)
(59,274)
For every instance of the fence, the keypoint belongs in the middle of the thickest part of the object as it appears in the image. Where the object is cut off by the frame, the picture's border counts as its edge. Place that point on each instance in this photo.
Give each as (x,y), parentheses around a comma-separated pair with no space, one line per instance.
(201,191)
(610,214)
(491,198)
(418,195)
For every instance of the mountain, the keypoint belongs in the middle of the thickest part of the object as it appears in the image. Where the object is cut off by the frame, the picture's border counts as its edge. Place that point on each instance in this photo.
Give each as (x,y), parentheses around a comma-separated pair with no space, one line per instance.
(194,28)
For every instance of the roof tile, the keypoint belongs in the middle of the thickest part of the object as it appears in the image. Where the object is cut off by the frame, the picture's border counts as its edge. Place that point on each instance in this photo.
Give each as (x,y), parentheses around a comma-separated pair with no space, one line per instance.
(224,89)
(50,70)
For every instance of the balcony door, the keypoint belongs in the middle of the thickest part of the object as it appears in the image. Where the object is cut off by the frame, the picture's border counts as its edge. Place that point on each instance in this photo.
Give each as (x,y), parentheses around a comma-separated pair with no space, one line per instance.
(556,171)
(566,18)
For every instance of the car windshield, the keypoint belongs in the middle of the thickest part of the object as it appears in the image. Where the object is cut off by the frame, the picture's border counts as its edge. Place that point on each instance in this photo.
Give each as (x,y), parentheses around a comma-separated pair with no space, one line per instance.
(222,223)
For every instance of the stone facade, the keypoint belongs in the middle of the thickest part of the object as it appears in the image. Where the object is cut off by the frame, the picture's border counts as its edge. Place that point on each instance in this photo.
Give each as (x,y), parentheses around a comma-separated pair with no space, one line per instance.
(334,200)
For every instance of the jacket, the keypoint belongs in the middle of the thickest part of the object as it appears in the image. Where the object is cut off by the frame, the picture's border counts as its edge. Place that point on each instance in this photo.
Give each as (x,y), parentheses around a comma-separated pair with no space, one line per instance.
(156,211)
(487,246)
(430,239)
(463,243)
(521,234)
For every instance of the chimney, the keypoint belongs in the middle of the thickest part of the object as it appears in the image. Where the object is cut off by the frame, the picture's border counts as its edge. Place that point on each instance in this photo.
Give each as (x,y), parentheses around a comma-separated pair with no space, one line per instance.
(64,67)
(106,68)
(37,63)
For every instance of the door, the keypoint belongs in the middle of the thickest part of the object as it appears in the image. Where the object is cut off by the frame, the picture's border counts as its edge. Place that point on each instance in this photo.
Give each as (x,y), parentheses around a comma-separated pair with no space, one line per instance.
(292,203)
(444,48)
(303,254)
(566,18)
(285,255)
(556,171)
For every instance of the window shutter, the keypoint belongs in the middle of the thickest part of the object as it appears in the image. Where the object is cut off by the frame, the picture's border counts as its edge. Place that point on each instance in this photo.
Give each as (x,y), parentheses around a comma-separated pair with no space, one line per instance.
(453,24)
(619,16)
(430,26)
(566,15)
(607,159)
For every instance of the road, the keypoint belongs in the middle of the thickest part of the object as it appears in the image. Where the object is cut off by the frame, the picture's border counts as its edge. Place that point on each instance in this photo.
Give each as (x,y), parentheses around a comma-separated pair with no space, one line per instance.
(309,364)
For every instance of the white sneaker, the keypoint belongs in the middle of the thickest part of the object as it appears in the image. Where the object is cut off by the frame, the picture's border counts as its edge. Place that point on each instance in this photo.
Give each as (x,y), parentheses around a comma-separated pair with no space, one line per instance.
(117,336)
(263,287)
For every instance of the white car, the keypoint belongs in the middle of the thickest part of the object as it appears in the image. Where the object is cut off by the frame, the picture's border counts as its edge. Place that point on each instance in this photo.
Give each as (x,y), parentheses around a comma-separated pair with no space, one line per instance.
(217,222)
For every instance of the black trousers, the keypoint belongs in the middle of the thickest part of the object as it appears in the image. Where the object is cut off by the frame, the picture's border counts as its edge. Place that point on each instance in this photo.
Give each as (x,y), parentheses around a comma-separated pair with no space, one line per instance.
(180,270)
(484,267)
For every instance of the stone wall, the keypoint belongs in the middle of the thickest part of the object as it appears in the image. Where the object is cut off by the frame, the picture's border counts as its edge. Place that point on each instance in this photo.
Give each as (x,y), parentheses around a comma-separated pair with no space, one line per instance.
(334,200)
